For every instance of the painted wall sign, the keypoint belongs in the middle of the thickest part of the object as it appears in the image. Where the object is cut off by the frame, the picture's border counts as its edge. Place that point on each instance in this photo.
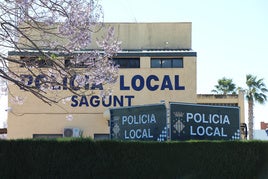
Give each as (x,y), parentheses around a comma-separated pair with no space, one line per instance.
(96,101)
(152,83)
(147,122)
(204,122)
(136,83)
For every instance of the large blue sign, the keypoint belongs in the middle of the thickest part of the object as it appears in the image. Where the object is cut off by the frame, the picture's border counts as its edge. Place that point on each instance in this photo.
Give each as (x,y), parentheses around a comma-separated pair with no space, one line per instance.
(204,122)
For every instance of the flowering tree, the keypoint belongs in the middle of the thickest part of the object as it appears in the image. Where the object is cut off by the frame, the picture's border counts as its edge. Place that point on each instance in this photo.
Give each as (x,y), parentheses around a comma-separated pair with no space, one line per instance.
(60,35)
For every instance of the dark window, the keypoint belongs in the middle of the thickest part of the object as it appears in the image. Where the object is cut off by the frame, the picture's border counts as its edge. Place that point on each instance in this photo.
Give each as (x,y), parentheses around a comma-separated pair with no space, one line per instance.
(127,62)
(36,62)
(122,62)
(166,63)
(69,63)
(177,63)
(73,62)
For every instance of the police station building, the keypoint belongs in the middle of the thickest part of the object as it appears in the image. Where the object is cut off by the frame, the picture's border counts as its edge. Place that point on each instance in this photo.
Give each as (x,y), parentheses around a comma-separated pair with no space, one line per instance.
(157,65)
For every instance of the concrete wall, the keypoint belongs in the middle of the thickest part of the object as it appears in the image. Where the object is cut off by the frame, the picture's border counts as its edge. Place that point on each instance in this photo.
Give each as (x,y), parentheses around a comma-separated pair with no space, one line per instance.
(229,100)
(154,35)
(35,117)
(132,35)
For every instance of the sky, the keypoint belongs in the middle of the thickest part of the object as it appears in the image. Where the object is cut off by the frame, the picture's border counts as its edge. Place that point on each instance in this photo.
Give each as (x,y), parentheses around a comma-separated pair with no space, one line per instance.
(229,36)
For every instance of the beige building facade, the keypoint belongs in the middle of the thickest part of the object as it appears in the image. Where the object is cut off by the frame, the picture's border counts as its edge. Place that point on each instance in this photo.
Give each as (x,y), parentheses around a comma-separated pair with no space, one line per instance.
(157,64)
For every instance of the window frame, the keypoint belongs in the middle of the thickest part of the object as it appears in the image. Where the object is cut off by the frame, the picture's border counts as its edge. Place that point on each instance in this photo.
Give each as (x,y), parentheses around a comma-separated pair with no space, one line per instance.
(136,62)
(162,60)
(34,61)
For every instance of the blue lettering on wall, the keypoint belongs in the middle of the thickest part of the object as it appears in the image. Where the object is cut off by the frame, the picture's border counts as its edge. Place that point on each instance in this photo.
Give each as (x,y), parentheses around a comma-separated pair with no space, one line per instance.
(122,83)
(118,100)
(27,79)
(38,81)
(87,84)
(72,85)
(83,101)
(129,99)
(55,86)
(96,101)
(149,82)
(105,103)
(94,87)
(177,83)
(137,83)
(166,83)
(137,79)
(153,83)
(74,101)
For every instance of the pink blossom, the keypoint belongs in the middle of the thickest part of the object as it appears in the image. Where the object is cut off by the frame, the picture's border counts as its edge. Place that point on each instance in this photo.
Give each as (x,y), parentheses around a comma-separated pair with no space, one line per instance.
(62,27)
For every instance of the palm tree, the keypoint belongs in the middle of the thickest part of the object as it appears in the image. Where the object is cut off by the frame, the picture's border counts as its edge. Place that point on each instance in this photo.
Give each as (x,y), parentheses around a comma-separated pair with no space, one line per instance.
(225,86)
(255,92)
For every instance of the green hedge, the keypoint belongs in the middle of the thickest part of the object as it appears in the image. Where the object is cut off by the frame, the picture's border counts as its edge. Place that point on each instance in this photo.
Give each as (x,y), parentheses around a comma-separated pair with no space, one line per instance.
(83,158)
